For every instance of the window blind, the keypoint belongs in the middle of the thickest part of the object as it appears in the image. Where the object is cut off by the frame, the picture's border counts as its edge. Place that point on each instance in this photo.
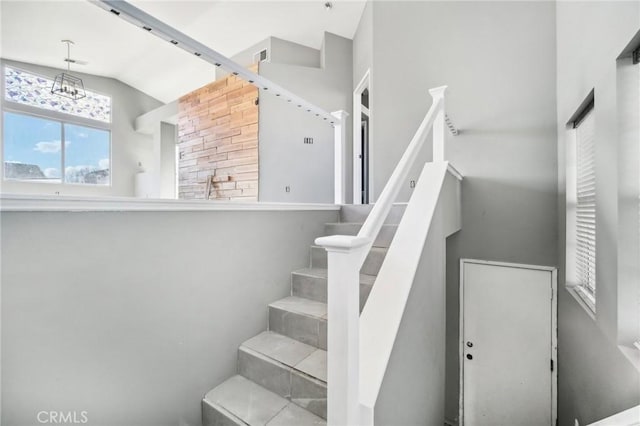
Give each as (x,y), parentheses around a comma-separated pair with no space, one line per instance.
(586,204)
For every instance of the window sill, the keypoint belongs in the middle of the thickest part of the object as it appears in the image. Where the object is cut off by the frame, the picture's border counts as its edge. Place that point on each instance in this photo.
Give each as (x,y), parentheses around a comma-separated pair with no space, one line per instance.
(582,299)
(52,203)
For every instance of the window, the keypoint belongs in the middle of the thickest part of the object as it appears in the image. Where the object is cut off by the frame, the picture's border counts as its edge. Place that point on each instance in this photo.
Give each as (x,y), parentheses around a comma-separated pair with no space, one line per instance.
(29,89)
(586,207)
(39,150)
(48,138)
(581,205)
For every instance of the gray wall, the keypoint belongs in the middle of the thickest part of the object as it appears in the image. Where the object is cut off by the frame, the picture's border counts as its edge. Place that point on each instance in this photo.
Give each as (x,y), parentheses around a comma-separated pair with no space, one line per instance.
(127,146)
(286,52)
(308,169)
(363,44)
(279,51)
(498,59)
(133,316)
(595,379)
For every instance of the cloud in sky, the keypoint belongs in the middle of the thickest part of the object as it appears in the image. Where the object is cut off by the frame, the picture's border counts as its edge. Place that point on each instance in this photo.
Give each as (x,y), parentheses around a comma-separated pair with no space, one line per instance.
(50,147)
(103,164)
(52,172)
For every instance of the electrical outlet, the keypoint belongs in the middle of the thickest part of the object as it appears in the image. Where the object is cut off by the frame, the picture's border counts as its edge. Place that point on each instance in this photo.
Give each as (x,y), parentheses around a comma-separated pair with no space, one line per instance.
(287,189)
(412,184)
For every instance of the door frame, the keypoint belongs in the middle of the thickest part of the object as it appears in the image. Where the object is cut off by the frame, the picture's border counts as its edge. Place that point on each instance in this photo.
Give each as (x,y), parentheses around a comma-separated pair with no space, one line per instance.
(365,83)
(554,331)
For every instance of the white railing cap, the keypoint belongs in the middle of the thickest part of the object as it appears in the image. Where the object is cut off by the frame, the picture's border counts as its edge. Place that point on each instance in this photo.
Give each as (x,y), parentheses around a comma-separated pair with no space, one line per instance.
(342,242)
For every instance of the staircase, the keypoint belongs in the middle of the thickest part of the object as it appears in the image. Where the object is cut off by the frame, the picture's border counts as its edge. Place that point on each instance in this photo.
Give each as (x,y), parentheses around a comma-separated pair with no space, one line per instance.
(282,373)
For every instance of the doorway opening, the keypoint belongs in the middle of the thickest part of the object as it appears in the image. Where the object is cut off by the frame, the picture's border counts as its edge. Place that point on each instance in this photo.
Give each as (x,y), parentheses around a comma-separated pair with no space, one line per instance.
(362,142)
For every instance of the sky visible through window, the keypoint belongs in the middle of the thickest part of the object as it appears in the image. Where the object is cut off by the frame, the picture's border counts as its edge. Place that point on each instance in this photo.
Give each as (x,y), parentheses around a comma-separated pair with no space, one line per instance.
(33,90)
(33,151)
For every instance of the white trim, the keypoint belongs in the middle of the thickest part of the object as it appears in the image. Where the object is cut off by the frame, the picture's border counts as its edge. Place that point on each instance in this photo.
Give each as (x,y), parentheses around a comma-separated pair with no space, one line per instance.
(49,203)
(365,83)
(554,331)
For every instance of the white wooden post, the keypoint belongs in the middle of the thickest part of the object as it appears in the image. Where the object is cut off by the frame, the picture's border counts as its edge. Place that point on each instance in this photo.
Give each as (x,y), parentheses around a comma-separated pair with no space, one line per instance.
(340,156)
(345,255)
(439,125)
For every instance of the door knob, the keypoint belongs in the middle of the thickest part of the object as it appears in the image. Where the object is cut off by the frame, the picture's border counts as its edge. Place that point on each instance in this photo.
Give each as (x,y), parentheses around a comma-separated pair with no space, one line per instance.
(469,356)
(470,344)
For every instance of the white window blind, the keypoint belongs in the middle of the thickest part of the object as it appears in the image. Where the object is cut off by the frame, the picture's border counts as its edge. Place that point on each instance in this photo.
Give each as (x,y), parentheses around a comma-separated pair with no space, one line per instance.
(586,206)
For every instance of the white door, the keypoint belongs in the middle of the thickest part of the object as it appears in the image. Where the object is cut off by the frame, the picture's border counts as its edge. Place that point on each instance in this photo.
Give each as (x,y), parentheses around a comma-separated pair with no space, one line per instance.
(507,344)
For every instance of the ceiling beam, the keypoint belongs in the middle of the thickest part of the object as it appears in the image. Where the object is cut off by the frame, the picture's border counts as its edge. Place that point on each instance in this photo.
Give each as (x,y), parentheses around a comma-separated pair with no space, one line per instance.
(152,25)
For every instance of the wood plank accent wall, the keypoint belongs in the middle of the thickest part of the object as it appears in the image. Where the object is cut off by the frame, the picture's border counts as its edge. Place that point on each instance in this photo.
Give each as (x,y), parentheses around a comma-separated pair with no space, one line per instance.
(218,136)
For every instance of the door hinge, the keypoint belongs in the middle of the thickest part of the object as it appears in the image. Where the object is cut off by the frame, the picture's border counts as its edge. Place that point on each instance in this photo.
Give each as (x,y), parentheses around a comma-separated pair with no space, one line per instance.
(551,365)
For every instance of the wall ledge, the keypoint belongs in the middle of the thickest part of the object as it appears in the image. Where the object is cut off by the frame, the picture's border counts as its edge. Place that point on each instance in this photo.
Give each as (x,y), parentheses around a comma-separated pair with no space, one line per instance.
(53,203)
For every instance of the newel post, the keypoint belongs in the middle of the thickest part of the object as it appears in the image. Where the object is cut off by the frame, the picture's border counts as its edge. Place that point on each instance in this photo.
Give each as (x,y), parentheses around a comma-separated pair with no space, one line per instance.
(345,255)
(438,131)
(340,156)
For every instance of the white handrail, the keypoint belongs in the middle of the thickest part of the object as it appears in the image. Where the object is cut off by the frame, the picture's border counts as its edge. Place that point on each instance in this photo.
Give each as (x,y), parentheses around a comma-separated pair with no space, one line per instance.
(381,209)
(347,403)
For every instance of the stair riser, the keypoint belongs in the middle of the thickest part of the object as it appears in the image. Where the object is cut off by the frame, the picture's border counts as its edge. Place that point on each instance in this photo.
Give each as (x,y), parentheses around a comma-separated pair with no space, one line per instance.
(359,213)
(309,393)
(309,330)
(265,372)
(299,388)
(371,264)
(315,288)
(218,416)
(382,240)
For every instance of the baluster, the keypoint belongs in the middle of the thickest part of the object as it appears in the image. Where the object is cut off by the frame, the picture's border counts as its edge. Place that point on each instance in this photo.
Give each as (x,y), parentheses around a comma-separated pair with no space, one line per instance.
(345,254)
(439,124)
(340,155)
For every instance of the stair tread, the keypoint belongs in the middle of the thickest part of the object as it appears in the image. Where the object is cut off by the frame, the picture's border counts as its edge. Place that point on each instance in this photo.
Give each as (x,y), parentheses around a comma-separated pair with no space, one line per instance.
(280,348)
(246,400)
(322,273)
(294,415)
(303,306)
(255,405)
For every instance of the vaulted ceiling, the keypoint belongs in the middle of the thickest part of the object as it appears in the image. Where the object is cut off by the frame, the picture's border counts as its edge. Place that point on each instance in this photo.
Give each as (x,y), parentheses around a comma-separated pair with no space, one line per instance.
(31,31)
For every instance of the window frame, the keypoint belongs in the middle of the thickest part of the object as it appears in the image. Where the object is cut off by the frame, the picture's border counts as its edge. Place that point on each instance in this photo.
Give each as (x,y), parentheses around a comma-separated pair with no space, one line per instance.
(576,287)
(57,116)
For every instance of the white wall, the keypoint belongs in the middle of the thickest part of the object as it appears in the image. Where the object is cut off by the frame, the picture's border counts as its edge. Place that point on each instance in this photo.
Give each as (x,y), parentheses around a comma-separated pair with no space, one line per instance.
(133,316)
(308,169)
(498,59)
(595,379)
(168,138)
(128,146)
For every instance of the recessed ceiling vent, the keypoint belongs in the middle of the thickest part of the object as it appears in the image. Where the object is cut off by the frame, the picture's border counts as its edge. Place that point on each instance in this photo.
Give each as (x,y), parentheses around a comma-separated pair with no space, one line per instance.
(261,56)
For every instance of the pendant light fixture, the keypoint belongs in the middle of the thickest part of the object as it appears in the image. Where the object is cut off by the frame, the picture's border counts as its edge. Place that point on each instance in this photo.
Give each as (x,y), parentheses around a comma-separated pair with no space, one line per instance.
(65,84)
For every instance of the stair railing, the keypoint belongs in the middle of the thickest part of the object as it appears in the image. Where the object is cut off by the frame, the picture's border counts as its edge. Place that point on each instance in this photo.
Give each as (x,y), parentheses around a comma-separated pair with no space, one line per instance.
(351,398)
